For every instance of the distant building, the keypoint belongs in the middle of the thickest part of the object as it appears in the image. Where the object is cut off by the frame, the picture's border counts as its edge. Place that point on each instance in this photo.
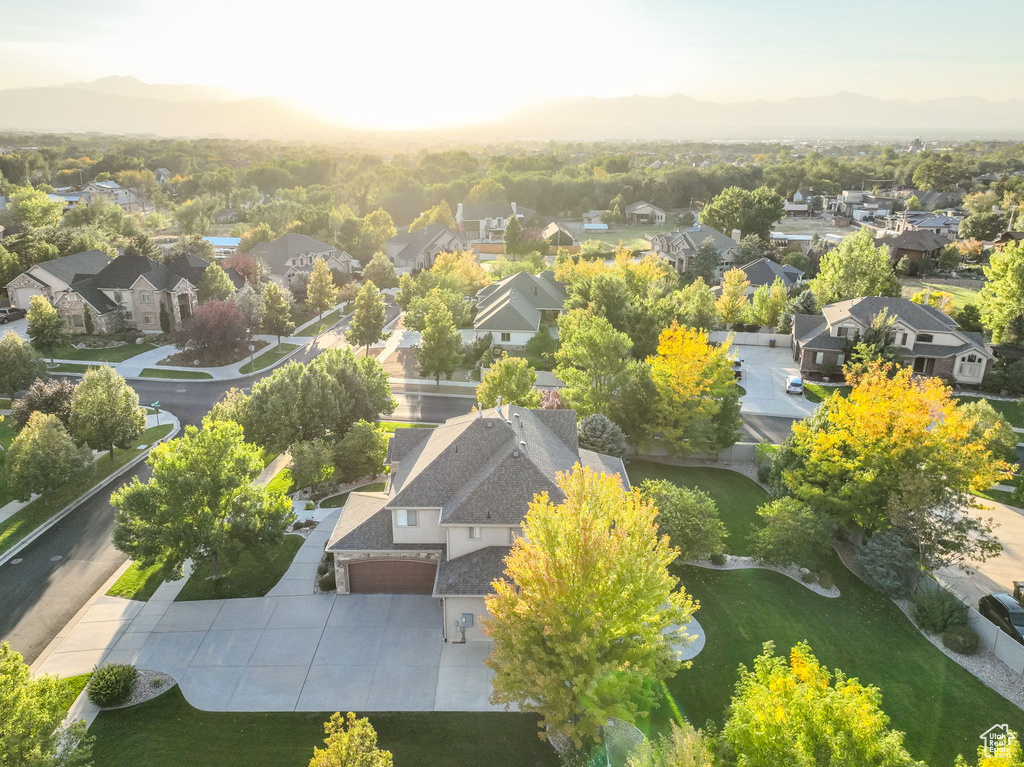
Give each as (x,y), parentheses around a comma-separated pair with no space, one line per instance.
(488,222)
(127,200)
(294,254)
(919,247)
(513,309)
(679,245)
(223,247)
(593,221)
(412,251)
(643,212)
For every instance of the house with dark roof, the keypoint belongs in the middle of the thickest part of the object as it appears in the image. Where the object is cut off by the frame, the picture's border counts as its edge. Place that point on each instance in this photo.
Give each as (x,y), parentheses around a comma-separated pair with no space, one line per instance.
(512,309)
(51,278)
(454,504)
(412,251)
(131,290)
(1006,238)
(929,341)
(918,246)
(679,245)
(764,271)
(488,222)
(289,258)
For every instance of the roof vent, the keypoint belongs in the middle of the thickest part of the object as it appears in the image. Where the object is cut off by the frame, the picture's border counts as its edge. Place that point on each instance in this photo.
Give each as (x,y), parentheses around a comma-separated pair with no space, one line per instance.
(490,424)
(522,443)
(515,453)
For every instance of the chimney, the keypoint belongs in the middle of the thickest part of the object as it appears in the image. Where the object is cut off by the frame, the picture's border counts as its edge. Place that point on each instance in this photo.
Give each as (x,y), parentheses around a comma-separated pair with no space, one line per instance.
(458,213)
(497,407)
(736,234)
(514,213)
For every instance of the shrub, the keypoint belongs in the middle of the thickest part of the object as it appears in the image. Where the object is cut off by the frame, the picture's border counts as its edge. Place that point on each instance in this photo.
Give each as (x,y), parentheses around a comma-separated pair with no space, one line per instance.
(887,562)
(825,580)
(323,567)
(808,577)
(111,684)
(297,524)
(310,505)
(598,433)
(792,533)
(718,559)
(935,610)
(328,582)
(961,639)
(688,516)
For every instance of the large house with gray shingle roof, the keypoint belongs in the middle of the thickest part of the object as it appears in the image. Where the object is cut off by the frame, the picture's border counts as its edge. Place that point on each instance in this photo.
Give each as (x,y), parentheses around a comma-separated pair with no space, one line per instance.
(412,251)
(930,341)
(513,309)
(678,246)
(51,278)
(453,506)
(292,255)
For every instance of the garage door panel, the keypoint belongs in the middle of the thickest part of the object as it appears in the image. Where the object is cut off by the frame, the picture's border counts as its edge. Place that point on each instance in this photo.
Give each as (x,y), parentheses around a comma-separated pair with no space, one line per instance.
(22,296)
(394,577)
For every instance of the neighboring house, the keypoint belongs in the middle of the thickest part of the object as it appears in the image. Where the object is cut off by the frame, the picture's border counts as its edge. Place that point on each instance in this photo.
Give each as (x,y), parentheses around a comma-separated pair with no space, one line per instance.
(412,251)
(293,254)
(764,271)
(642,212)
(860,205)
(928,200)
(1002,240)
(162,175)
(454,503)
(929,340)
(488,222)
(558,235)
(224,247)
(192,267)
(924,221)
(917,246)
(129,290)
(51,278)
(127,200)
(593,221)
(797,208)
(679,245)
(513,309)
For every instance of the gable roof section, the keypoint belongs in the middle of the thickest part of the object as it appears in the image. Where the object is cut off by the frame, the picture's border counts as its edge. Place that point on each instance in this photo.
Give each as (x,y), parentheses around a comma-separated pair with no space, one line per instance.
(915,239)
(192,267)
(93,296)
(76,266)
(471,574)
(414,243)
(365,525)
(123,272)
(635,206)
(276,254)
(515,302)
(917,316)
(763,271)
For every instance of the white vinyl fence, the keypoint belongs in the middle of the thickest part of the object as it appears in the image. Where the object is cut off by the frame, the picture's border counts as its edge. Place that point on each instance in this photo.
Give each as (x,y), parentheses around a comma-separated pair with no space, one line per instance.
(751,339)
(1002,646)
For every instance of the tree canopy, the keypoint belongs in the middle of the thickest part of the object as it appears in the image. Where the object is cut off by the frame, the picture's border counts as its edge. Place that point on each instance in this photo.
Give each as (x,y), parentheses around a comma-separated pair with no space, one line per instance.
(1002,296)
(105,412)
(512,379)
(751,212)
(853,269)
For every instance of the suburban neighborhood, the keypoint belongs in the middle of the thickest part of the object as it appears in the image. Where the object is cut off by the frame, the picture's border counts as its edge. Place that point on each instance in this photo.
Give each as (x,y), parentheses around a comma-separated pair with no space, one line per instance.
(425,448)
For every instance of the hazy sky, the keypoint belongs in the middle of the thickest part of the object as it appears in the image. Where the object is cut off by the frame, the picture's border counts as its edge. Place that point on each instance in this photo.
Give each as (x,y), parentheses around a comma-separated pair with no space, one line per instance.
(411,63)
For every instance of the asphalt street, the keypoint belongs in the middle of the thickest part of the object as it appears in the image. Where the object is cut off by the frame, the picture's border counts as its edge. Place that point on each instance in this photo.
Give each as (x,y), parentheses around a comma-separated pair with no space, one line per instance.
(58,573)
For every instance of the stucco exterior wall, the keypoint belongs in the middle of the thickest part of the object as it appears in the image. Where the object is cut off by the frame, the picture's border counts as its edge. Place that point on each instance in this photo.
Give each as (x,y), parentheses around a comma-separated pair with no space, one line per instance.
(453,608)
(460,543)
(427,529)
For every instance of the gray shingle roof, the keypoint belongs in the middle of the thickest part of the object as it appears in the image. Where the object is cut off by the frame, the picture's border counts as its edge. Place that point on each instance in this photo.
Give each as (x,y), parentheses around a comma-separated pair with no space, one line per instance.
(276,254)
(93,296)
(807,326)
(413,243)
(471,574)
(917,316)
(403,440)
(122,272)
(365,525)
(515,302)
(915,239)
(635,206)
(76,266)
(764,271)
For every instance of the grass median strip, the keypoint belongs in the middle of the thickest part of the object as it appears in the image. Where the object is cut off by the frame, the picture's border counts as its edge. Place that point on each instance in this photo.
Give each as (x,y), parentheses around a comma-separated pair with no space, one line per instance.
(268,358)
(319,327)
(182,374)
(112,354)
(137,582)
(40,510)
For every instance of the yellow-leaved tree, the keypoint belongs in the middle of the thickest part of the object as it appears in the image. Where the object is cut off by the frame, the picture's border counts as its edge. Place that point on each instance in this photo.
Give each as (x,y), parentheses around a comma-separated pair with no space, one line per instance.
(579,622)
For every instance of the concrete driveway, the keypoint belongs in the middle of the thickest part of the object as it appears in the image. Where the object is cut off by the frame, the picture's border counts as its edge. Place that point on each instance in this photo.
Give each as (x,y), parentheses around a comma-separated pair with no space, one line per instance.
(998,574)
(764,379)
(16,326)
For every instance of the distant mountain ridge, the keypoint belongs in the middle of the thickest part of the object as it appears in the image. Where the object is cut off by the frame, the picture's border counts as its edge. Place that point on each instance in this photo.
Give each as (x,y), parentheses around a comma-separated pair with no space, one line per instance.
(126,105)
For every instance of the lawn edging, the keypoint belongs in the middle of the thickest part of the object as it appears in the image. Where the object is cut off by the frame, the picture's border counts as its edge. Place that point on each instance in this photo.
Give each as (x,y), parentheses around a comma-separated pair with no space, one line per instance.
(12,552)
(734,562)
(237,376)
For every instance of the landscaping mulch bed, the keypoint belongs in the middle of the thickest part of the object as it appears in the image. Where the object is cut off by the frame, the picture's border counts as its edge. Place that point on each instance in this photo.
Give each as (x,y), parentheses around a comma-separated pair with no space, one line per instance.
(187,359)
(148,685)
(749,563)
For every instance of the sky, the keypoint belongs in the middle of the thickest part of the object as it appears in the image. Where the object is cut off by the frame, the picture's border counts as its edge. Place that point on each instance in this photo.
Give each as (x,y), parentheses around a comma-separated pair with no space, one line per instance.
(416,63)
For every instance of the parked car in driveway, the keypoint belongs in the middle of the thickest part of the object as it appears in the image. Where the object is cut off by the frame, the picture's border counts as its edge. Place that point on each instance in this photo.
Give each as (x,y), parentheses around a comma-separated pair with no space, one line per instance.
(737,369)
(1004,611)
(794,385)
(10,313)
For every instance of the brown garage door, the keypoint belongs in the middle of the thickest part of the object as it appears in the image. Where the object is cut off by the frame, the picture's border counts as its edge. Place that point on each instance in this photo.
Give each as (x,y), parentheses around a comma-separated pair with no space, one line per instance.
(391,577)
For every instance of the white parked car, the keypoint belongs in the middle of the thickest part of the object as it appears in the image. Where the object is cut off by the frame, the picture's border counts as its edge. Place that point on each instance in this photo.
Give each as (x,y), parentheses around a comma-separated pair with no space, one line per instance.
(794,385)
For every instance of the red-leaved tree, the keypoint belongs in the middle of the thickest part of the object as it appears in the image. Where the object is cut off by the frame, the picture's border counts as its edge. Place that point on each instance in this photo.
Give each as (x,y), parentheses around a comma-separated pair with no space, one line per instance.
(215,330)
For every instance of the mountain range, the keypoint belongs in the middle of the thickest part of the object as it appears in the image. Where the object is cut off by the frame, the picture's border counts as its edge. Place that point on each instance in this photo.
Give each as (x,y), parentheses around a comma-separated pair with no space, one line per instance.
(125,105)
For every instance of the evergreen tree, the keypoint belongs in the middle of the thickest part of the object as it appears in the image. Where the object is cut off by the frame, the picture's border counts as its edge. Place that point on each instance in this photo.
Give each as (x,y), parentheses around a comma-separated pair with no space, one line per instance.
(598,433)
(90,326)
(367,325)
(703,262)
(440,351)
(513,236)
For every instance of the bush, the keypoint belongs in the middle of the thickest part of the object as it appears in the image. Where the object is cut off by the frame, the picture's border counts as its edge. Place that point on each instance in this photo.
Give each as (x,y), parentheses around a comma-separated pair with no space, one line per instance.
(688,516)
(887,563)
(808,577)
(328,582)
(792,533)
(961,639)
(323,567)
(310,505)
(111,684)
(936,610)
(764,472)
(718,559)
(825,580)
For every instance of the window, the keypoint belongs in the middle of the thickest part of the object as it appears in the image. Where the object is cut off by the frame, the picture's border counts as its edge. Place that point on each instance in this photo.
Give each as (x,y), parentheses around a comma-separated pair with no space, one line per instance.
(145,298)
(77,321)
(840,358)
(148,319)
(924,338)
(118,298)
(903,339)
(405,518)
(506,337)
(970,366)
(819,358)
(474,534)
(843,331)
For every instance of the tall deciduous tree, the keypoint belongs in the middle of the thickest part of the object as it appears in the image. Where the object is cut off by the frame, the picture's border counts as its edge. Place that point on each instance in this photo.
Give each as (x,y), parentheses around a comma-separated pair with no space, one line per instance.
(20,364)
(751,212)
(512,379)
(367,325)
(45,327)
(277,311)
(32,709)
(698,400)
(487,192)
(214,331)
(33,209)
(105,412)
(853,269)
(567,644)
(697,307)
(799,714)
(439,214)
(322,293)
(768,303)
(361,452)
(440,352)
(381,272)
(202,501)
(689,517)
(593,361)
(350,742)
(732,304)
(215,284)
(55,397)
(43,458)
(1002,296)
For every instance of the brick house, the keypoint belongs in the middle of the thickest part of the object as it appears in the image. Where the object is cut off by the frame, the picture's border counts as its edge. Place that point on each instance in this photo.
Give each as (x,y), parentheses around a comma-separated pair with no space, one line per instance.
(929,340)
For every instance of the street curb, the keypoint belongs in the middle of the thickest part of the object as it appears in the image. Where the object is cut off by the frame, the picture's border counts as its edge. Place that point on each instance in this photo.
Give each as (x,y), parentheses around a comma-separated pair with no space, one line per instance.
(11,553)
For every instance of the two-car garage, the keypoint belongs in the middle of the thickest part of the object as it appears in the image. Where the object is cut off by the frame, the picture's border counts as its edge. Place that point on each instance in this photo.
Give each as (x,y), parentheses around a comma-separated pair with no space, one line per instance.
(391,576)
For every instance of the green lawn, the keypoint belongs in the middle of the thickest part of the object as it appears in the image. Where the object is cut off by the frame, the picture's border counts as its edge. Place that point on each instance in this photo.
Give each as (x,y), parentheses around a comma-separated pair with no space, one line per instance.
(819,393)
(113,354)
(318,327)
(249,574)
(268,358)
(961,295)
(137,582)
(1011,410)
(71,688)
(738,497)
(282,481)
(337,501)
(182,374)
(69,367)
(5,403)
(941,707)
(630,234)
(36,513)
(7,433)
(299,316)
(168,732)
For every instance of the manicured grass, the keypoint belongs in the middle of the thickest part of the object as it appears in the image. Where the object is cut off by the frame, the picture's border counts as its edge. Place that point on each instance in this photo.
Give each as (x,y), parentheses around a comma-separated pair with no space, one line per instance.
(1011,410)
(961,295)
(1001,496)
(738,497)
(168,732)
(282,482)
(630,234)
(36,513)
(337,501)
(390,426)
(299,316)
(318,327)
(182,374)
(69,367)
(7,433)
(248,574)
(819,393)
(71,688)
(137,582)
(268,358)
(113,354)
(5,403)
